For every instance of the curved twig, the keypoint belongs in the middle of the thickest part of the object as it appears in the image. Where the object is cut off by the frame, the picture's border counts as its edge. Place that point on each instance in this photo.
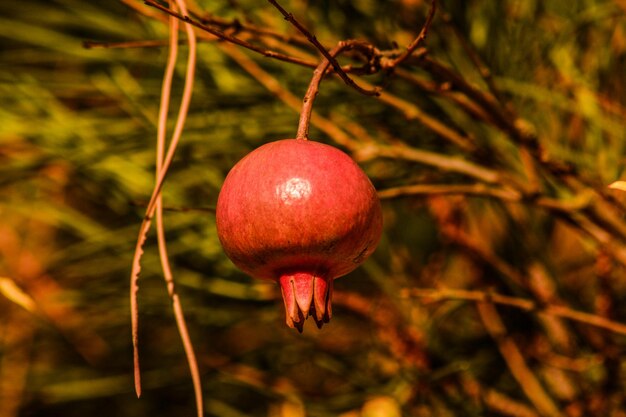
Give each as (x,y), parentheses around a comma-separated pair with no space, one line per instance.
(163,164)
(418,40)
(291,19)
(311,93)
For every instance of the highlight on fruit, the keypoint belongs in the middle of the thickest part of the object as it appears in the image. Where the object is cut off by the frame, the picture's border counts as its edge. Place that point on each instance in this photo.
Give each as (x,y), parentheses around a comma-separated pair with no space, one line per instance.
(300,213)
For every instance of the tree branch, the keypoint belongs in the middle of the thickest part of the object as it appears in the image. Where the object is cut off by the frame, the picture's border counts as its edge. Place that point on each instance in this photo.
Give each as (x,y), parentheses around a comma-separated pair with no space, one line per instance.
(443,294)
(290,18)
(221,35)
(418,40)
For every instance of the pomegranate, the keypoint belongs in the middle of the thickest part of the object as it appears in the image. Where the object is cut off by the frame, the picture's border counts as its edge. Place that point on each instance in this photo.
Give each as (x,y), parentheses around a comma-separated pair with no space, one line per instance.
(301,213)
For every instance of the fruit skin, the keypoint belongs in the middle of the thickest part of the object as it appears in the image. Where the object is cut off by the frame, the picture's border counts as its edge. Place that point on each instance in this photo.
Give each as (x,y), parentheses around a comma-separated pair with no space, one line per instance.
(301,213)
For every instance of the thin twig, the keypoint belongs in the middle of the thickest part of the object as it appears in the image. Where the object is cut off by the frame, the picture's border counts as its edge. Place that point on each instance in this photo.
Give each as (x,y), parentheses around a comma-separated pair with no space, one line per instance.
(418,40)
(603,237)
(444,89)
(161,132)
(465,189)
(134,309)
(163,255)
(495,400)
(166,89)
(530,167)
(126,44)
(10,290)
(443,162)
(478,63)
(275,87)
(442,294)
(311,93)
(221,35)
(412,112)
(145,226)
(180,209)
(574,205)
(291,19)
(514,359)
(239,26)
(518,132)
(210,33)
(446,163)
(484,99)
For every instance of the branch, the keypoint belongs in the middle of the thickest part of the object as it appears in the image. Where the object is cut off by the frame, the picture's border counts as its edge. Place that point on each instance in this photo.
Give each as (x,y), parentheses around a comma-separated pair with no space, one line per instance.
(418,40)
(514,359)
(178,209)
(473,55)
(160,155)
(311,93)
(309,97)
(495,400)
(155,206)
(238,26)
(569,207)
(480,190)
(290,18)
(443,162)
(275,87)
(126,44)
(221,35)
(437,295)
(412,112)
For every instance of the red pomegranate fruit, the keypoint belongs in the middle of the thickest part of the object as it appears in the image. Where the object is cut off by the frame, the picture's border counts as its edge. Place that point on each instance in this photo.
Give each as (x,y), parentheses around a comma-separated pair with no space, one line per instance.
(301,213)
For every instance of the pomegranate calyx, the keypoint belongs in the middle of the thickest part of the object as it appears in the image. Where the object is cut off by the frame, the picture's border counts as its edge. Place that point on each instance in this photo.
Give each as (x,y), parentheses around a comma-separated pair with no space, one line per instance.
(306,294)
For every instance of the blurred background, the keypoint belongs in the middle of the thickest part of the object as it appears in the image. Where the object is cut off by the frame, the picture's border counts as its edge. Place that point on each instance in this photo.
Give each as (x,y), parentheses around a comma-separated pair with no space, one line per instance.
(498,287)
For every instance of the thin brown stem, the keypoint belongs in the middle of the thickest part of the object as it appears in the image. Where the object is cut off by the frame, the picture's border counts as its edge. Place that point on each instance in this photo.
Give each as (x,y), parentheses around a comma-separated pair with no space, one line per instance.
(495,400)
(412,112)
(331,59)
(237,41)
(442,294)
(163,255)
(161,138)
(126,44)
(311,93)
(527,380)
(163,164)
(293,102)
(236,25)
(180,209)
(478,63)
(480,190)
(443,162)
(418,40)
(444,89)
(484,99)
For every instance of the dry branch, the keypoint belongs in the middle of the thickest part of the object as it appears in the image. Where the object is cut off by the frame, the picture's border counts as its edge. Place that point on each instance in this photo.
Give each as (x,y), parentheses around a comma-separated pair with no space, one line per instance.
(331,59)
(443,294)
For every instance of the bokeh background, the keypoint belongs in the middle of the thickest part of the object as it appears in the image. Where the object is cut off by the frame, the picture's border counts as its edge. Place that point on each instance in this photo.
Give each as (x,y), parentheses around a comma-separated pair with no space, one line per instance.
(498,287)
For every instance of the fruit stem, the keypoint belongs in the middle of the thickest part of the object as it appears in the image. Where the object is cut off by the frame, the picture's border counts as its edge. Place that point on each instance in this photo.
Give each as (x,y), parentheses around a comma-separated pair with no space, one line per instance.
(311,93)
